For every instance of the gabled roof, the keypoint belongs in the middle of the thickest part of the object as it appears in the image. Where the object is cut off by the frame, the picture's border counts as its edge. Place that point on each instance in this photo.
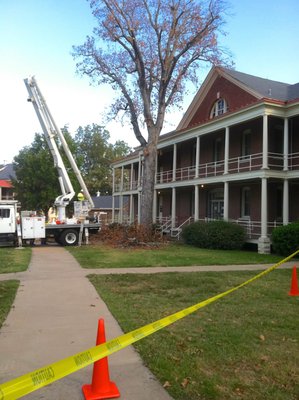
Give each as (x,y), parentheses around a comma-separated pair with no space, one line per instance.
(7,172)
(105,202)
(265,87)
(259,88)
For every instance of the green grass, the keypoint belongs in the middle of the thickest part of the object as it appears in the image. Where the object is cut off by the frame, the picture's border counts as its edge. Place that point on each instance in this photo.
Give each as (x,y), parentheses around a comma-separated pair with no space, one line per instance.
(244,346)
(14,260)
(8,290)
(102,256)
(11,260)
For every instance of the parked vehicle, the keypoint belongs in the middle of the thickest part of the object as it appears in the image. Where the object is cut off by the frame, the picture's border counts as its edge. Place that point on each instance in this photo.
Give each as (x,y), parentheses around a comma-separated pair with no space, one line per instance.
(16,227)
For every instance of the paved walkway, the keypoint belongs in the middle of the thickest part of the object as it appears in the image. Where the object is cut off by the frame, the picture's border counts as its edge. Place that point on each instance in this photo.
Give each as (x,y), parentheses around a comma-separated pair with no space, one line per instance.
(55,315)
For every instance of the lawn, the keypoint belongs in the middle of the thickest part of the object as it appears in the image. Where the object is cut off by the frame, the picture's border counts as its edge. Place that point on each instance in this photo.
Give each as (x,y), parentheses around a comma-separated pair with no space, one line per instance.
(11,260)
(14,259)
(244,346)
(103,256)
(8,290)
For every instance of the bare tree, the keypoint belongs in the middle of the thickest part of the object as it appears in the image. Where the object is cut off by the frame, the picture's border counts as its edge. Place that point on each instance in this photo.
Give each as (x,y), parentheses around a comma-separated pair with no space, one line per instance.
(148,50)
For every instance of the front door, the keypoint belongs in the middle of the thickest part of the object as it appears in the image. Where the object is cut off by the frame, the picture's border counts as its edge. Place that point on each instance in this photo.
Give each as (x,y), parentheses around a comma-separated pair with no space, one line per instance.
(217,209)
(216,204)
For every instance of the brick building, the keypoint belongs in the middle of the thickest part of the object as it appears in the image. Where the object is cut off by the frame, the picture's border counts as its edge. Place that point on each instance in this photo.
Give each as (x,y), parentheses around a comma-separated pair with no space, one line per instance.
(6,175)
(233,156)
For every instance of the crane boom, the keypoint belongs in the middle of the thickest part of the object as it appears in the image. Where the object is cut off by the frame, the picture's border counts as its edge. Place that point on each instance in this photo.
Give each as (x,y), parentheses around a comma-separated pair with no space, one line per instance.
(51,130)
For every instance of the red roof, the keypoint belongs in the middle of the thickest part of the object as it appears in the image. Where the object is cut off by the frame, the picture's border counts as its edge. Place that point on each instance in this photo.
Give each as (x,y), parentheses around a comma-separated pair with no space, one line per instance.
(5,184)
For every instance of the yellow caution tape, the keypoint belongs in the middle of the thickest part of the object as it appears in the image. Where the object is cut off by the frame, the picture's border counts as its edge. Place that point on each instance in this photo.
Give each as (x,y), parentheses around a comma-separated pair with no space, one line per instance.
(39,378)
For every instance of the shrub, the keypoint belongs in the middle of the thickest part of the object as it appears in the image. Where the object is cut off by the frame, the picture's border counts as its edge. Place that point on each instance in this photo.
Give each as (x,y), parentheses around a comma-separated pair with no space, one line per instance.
(285,239)
(214,235)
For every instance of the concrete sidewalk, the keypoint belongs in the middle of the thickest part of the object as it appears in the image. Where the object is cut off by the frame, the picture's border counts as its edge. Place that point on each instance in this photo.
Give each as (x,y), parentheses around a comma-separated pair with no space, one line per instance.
(55,315)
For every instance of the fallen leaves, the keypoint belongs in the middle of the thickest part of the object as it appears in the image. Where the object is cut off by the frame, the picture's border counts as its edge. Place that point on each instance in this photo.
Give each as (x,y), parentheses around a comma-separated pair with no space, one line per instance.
(166,384)
(185,382)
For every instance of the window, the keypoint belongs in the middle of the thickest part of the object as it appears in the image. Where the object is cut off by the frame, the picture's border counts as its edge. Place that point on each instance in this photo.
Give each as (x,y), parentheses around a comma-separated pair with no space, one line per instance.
(245,202)
(219,108)
(4,212)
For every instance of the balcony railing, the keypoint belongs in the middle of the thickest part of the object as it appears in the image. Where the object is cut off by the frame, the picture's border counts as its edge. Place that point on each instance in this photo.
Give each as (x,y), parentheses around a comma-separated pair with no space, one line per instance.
(248,163)
(239,164)
(7,197)
(293,161)
(126,186)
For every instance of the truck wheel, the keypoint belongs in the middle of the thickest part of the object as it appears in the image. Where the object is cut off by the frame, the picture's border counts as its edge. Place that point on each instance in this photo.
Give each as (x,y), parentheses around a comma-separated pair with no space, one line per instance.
(69,237)
(57,238)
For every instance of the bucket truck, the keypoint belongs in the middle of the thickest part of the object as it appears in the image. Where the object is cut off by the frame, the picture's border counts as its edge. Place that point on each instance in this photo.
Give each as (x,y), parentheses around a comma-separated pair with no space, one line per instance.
(66,232)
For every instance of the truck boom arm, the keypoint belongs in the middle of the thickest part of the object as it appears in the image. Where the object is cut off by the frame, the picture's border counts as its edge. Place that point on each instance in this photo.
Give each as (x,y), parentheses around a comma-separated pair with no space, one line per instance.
(50,130)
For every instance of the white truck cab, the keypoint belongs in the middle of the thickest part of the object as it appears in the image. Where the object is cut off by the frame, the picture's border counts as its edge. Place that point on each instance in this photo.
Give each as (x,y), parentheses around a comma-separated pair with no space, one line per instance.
(8,221)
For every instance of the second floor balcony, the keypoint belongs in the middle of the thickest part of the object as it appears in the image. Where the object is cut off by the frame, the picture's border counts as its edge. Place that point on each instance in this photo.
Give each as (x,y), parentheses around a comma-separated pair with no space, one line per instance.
(235,165)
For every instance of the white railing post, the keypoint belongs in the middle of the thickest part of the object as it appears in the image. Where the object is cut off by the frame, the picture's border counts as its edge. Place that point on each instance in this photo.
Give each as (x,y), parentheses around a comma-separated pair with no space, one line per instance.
(285,207)
(265,141)
(226,150)
(197,156)
(173,208)
(174,162)
(286,144)
(196,202)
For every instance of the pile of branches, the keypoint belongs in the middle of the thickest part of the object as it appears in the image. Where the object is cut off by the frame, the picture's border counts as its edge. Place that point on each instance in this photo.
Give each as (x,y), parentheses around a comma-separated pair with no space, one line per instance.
(134,235)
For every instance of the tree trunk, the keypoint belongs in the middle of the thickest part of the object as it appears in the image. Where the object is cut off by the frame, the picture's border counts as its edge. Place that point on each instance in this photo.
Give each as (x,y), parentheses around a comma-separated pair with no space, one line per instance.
(148,183)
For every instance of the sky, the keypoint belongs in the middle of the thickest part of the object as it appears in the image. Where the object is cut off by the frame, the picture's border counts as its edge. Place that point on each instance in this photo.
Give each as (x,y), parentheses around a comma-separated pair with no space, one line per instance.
(36,38)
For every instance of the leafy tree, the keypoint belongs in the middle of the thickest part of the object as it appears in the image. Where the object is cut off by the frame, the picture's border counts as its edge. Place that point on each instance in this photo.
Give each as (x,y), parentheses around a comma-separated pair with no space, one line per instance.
(95,155)
(147,50)
(36,184)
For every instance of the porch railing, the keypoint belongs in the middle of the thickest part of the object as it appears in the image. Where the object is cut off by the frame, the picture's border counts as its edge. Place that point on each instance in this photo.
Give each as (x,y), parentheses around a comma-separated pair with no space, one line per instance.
(252,228)
(238,164)
(235,165)
(176,232)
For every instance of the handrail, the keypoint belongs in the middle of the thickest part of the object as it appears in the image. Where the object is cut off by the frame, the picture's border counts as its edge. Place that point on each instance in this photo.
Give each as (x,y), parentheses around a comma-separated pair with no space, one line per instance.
(179,229)
(242,163)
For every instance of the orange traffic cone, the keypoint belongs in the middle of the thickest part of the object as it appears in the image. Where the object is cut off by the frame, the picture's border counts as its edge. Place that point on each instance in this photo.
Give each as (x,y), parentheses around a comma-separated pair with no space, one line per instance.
(101,387)
(294,285)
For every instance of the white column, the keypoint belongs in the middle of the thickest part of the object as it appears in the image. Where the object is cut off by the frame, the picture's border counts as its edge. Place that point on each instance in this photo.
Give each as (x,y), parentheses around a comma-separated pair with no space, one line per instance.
(121,208)
(196,202)
(197,157)
(286,145)
(226,150)
(131,176)
(226,201)
(264,241)
(155,200)
(122,179)
(139,171)
(265,141)
(264,209)
(113,180)
(174,162)
(139,207)
(173,208)
(131,208)
(113,209)
(285,206)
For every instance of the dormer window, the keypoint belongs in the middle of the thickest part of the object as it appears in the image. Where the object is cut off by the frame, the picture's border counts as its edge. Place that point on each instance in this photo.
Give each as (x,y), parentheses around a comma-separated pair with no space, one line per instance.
(219,108)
